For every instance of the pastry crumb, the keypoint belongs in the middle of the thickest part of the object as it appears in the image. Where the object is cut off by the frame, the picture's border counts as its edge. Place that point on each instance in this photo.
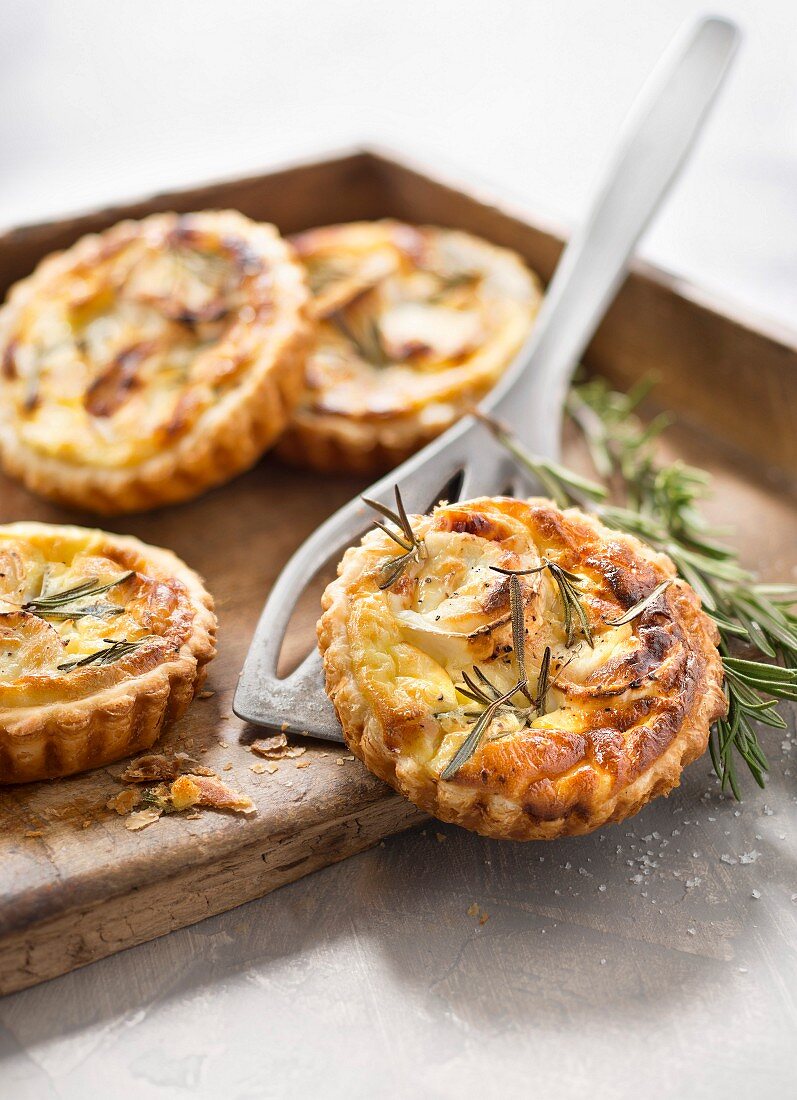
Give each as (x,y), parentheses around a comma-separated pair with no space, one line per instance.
(276,748)
(265,746)
(184,792)
(124,802)
(160,766)
(34,834)
(140,819)
(475,911)
(218,796)
(440,837)
(206,694)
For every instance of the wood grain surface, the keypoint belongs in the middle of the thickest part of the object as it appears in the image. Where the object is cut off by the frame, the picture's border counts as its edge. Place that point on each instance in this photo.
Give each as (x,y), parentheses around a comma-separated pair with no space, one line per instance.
(86,886)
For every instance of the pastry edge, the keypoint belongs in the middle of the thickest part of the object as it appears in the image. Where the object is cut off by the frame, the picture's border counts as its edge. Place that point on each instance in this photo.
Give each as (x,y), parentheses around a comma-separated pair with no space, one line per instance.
(256,413)
(64,738)
(490,814)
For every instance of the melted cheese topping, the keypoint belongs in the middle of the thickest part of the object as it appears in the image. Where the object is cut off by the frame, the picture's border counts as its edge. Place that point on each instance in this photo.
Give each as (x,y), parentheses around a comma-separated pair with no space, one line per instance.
(411,321)
(612,708)
(118,348)
(123,618)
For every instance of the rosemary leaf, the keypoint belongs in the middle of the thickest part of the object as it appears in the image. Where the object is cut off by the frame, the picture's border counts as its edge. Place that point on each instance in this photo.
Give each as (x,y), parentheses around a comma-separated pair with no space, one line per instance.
(518,633)
(542,682)
(643,605)
(52,606)
(471,742)
(392,535)
(114,651)
(571,603)
(404,537)
(570,599)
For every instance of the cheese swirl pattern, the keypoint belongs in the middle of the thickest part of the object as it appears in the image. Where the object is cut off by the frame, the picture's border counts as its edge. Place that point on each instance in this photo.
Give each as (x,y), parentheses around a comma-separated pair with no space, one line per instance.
(103,641)
(625,707)
(151,361)
(414,325)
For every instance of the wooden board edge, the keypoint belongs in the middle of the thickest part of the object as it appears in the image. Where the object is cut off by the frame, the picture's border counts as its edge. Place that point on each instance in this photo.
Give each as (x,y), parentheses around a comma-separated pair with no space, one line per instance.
(86,934)
(500,202)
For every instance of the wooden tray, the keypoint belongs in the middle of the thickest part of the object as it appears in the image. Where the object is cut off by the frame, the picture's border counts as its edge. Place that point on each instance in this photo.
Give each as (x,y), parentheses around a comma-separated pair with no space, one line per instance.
(87,887)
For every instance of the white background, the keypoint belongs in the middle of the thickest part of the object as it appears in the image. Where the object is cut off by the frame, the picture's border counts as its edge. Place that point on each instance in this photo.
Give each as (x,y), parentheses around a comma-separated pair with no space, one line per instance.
(369,978)
(104,100)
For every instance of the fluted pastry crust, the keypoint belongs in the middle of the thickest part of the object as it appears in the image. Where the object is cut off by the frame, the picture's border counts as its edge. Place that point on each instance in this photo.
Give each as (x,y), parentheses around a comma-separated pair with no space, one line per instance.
(414,325)
(620,720)
(152,361)
(91,674)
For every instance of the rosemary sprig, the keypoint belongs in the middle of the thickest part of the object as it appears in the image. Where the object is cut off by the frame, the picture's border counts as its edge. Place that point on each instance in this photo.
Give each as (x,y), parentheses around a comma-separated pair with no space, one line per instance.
(472,741)
(366,340)
(488,695)
(403,536)
(661,505)
(572,607)
(101,610)
(518,633)
(563,485)
(57,605)
(635,611)
(114,651)
(457,280)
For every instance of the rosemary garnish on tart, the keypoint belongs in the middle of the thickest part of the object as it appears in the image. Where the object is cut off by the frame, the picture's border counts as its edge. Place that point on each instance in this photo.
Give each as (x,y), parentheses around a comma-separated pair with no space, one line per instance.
(113,651)
(365,338)
(659,503)
(403,536)
(635,611)
(58,605)
(473,740)
(571,601)
(489,695)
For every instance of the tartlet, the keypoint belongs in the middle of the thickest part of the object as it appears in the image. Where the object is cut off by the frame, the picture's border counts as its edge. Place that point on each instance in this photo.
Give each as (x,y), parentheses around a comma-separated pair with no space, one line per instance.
(413,326)
(412,659)
(104,641)
(152,361)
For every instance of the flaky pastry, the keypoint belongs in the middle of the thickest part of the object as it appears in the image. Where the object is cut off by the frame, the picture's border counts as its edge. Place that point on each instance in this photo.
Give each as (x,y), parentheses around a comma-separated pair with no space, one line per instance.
(612,693)
(152,361)
(103,642)
(414,325)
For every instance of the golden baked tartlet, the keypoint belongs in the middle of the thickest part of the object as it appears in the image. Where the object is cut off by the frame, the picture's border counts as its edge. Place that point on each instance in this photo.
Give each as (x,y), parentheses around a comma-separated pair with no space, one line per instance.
(152,361)
(103,643)
(543,701)
(414,324)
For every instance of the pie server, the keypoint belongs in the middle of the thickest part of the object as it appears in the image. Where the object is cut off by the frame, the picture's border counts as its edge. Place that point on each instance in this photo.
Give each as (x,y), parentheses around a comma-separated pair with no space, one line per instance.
(466,461)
